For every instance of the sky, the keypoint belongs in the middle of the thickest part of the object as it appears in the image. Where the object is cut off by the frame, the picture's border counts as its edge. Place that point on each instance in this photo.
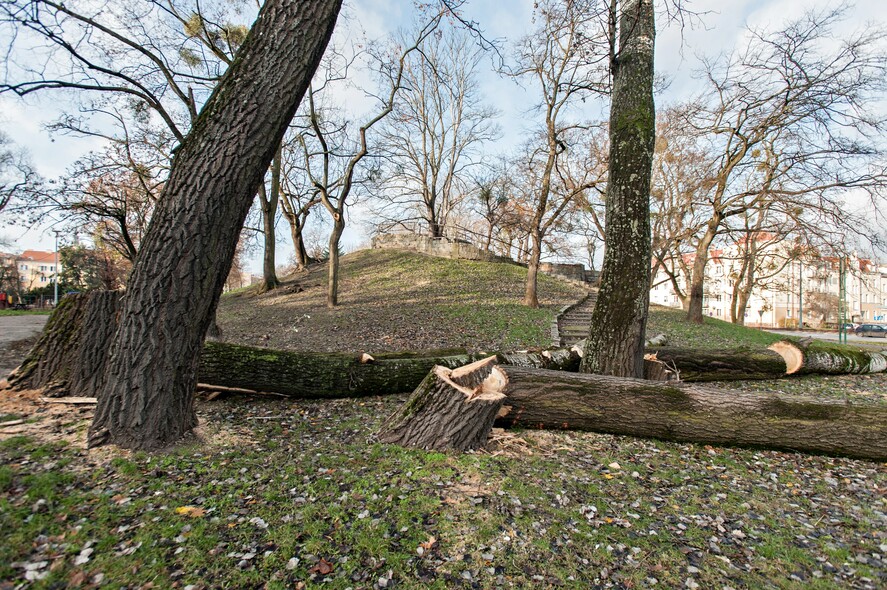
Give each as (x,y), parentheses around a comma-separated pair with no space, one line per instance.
(719,27)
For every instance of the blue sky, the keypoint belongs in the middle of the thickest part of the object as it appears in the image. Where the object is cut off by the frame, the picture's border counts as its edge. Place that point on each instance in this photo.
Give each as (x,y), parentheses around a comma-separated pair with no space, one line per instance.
(719,28)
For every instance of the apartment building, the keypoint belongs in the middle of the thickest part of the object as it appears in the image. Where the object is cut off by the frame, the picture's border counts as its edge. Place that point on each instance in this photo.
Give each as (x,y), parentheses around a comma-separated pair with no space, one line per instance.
(811,284)
(33,268)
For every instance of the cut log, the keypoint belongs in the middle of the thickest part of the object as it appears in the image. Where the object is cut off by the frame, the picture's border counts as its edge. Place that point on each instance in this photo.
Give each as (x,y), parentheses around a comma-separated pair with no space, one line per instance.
(539,398)
(676,364)
(816,357)
(449,410)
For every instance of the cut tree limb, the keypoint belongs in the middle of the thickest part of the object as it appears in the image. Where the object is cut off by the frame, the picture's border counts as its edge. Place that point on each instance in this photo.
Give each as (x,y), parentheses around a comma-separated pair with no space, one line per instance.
(539,398)
(692,365)
(815,357)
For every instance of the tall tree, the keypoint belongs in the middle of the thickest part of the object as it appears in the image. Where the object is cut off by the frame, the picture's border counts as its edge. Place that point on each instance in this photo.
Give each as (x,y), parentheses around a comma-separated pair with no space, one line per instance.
(616,342)
(789,119)
(147,398)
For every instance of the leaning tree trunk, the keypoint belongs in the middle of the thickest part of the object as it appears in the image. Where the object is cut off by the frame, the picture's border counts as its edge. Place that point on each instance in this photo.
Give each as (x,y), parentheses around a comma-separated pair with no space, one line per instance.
(822,358)
(616,342)
(539,398)
(147,398)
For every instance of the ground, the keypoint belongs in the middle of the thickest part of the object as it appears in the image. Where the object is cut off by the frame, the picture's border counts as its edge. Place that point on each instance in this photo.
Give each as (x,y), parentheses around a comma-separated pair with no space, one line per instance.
(280,493)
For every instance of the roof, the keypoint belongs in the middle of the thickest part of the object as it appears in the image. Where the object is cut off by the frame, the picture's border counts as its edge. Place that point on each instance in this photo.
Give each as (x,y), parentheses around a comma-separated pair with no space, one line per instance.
(37,256)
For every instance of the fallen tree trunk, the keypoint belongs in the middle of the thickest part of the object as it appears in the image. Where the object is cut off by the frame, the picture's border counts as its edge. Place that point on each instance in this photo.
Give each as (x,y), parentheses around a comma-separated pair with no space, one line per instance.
(821,358)
(677,364)
(539,398)
(70,360)
(325,375)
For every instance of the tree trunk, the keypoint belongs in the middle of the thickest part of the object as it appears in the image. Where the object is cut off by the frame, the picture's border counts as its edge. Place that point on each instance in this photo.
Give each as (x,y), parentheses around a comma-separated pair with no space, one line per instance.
(667,364)
(616,342)
(48,364)
(332,291)
(697,279)
(822,358)
(269,204)
(147,398)
(531,298)
(87,375)
(538,398)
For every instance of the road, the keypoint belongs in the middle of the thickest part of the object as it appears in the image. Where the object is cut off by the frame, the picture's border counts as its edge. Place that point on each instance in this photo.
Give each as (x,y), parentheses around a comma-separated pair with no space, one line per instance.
(19,327)
(828,336)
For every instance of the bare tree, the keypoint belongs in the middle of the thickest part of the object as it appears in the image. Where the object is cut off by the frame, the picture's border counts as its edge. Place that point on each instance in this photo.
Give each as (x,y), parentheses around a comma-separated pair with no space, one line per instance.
(788,119)
(15,171)
(331,154)
(565,58)
(430,143)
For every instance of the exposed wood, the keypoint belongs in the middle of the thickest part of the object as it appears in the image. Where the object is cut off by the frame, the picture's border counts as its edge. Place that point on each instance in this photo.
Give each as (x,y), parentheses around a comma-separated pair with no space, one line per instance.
(694,365)
(450,409)
(539,398)
(814,357)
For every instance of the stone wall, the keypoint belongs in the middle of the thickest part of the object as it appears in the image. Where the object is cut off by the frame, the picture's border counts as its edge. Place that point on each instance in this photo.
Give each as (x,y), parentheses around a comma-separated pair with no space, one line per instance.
(442,247)
(464,250)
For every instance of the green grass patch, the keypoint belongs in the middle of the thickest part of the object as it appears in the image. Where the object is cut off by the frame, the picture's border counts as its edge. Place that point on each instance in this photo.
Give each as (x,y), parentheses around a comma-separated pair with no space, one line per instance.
(12,312)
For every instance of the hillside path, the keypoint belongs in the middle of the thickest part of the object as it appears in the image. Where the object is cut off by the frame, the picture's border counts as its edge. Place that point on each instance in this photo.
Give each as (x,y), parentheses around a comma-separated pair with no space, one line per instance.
(574,324)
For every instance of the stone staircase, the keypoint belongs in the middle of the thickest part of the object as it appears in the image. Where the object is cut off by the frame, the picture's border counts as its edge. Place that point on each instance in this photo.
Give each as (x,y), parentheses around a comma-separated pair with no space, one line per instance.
(574,322)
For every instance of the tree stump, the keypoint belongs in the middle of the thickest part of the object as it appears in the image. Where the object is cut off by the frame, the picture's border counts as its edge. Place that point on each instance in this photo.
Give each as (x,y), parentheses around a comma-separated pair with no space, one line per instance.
(451,409)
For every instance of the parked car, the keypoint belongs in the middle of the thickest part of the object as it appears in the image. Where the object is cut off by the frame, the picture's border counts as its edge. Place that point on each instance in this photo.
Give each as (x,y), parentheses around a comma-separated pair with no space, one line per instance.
(872,330)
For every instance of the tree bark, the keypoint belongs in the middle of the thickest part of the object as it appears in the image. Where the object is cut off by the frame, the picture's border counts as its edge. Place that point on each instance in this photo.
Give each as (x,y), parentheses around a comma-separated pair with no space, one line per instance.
(147,398)
(87,375)
(49,362)
(269,202)
(822,358)
(531,298)
(538,398)
(616,342)
(693,365)
(697,278)
(332,292)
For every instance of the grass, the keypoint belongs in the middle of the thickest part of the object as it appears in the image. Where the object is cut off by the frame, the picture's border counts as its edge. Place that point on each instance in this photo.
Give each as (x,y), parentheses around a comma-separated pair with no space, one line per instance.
(272,502)
(12,312)
(711,334)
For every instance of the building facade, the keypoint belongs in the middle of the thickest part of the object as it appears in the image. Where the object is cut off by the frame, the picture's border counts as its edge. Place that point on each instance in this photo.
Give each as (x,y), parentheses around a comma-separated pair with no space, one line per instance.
(810,285)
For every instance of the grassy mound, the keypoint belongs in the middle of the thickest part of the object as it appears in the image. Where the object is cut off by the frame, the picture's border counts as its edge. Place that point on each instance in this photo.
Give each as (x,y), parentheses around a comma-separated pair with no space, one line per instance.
(392,301)
(711,334)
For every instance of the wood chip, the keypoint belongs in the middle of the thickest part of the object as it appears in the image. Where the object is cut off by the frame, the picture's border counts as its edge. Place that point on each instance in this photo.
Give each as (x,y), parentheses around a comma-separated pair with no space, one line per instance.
(69,400)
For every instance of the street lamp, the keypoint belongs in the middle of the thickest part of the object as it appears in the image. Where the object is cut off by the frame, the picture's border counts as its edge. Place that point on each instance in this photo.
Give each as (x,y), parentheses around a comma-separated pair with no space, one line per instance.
(56,303)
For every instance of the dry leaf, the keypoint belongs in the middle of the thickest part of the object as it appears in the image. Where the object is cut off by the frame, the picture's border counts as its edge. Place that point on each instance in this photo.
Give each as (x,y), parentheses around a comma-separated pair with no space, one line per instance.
(429,544)
(191,511)
(323,567)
